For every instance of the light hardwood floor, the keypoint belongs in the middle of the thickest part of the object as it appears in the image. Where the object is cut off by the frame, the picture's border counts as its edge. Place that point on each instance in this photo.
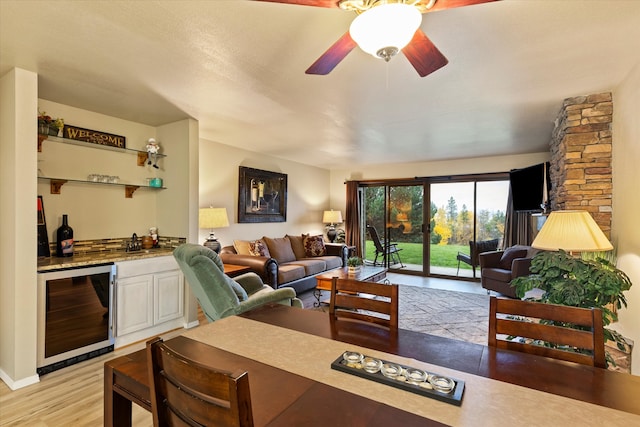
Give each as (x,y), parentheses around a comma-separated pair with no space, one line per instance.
(69,397)
(73,396)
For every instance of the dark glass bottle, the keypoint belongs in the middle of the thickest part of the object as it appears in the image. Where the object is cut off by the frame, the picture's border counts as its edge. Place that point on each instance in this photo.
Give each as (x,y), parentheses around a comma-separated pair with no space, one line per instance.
(64,239)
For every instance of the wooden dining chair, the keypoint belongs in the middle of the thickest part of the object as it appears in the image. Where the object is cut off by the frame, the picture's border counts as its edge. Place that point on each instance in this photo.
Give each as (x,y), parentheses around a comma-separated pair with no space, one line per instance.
(366,301)
(187,393)
(509,318)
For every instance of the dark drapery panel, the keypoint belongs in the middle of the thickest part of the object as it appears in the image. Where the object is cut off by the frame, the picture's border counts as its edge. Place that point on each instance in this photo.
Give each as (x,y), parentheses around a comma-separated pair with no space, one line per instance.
(518,227)
(352,221)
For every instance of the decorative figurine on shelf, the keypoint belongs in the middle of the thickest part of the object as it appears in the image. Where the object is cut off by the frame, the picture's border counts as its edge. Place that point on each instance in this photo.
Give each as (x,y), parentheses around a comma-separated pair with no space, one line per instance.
(152,152)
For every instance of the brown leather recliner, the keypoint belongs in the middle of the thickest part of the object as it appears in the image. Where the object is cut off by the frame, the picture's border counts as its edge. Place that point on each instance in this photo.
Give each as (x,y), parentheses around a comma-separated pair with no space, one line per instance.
(499,268)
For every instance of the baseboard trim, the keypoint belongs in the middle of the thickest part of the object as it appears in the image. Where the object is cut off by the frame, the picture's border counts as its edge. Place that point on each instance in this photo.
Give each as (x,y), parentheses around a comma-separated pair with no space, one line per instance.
(15,385)
(191,324)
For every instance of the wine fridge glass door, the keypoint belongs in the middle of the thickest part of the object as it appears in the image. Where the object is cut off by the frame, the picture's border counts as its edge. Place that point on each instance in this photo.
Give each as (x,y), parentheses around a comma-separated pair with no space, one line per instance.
(74,315)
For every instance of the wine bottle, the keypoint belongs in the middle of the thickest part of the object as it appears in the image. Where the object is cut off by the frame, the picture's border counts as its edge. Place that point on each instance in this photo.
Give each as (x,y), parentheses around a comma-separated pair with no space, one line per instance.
(64,239)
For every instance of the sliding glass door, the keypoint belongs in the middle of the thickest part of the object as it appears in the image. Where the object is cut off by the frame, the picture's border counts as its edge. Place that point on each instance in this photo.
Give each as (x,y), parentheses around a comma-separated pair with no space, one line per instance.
(466,212)
(429,236)
(453,207)
(394,216)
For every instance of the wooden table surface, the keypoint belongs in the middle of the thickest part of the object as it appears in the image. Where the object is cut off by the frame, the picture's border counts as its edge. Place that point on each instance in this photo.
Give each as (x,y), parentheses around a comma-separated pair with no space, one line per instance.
(233,270)
(594,385)
(283,398)
(368,273)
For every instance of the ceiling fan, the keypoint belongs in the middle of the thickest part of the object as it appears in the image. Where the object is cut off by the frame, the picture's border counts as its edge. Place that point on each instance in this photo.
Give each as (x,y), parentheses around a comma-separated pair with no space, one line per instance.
(383,28)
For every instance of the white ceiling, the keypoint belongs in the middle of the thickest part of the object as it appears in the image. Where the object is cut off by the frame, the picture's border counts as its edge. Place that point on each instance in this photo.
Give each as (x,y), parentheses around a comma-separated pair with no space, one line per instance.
(238,68)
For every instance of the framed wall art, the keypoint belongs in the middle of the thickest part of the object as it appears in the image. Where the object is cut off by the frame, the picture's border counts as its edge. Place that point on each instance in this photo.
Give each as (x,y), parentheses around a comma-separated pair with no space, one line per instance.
(262,196)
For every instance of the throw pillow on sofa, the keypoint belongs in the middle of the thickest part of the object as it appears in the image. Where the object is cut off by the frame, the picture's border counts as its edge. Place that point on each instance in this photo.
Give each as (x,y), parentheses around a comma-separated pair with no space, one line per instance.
(242,247)
(280,249)
(297,245)
(314,245)
(259,248)
(251,247)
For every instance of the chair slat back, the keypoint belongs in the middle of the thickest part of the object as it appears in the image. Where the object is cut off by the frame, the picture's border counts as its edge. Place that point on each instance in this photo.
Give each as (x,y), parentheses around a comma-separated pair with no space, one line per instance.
(516,318)
(187,393)
(366,301)
(373,233)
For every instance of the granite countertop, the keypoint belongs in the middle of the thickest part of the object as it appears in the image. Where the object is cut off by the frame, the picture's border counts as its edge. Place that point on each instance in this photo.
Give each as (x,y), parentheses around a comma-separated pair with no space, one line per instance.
(55,263)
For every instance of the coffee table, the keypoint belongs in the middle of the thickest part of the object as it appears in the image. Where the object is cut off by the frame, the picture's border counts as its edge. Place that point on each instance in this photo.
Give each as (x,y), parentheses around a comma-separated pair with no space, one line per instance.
(233,270)
(367,274)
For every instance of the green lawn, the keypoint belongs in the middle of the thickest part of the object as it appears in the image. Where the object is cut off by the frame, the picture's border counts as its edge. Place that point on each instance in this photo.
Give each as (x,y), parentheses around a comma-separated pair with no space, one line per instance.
(441,255)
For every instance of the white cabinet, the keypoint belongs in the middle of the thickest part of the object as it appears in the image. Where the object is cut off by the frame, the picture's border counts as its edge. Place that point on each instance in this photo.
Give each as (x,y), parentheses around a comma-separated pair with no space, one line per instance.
(168,300)
(149,298)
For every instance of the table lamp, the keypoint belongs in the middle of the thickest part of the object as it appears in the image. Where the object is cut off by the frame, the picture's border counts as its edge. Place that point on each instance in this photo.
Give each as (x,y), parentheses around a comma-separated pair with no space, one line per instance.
(213,218)
(332,218)
(571,231)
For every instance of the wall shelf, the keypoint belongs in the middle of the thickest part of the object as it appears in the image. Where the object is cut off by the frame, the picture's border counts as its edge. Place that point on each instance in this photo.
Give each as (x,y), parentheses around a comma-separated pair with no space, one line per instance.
(140,155)
(57,183)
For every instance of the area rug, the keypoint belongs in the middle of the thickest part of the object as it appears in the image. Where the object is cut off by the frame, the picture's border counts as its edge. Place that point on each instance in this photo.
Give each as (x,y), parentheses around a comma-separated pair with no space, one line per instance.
(458,315)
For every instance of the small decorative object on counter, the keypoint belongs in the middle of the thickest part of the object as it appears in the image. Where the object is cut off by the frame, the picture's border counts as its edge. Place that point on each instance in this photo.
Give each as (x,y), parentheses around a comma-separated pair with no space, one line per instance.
(147,242)
(133,245)
(64,239)
(153,232)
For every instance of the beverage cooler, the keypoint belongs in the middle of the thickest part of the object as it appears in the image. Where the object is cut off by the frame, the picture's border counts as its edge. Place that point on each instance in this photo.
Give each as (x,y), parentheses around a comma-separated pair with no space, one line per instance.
(75,315)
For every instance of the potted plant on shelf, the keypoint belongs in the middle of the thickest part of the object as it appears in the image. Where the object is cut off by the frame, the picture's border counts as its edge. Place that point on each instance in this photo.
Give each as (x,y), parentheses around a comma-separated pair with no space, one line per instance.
(587,283)
(48,125)
(354,265)
(44,122)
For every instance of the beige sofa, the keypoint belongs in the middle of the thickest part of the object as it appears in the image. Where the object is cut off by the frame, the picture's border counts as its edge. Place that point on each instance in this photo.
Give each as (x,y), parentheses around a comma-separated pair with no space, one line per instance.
(287,261)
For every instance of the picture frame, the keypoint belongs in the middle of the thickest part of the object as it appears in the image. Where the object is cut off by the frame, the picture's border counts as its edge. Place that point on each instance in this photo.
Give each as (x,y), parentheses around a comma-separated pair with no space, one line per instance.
(262,196)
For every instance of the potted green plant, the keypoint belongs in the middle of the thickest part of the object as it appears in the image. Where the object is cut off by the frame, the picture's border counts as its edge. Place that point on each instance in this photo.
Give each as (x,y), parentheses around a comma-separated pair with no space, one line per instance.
(354,265)
(44,122)
(568,280)
(48,125)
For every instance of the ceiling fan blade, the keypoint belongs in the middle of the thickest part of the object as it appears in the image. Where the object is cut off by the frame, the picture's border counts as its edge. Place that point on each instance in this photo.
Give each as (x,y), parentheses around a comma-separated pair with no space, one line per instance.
(450,4)
(316,3)
(423,54)
(333,56)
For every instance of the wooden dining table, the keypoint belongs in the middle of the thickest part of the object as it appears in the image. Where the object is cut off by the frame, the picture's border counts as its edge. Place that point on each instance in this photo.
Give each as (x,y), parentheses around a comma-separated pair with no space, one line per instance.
(287,352)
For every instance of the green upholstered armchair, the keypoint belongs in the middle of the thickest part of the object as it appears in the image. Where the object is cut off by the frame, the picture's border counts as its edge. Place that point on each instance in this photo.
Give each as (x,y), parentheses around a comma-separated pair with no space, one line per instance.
(218,294)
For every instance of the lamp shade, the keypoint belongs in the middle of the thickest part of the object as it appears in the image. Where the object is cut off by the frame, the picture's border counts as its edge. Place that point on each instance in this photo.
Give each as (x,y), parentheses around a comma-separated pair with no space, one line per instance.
(571,231)
(389,25)
(332,217)
(213,218)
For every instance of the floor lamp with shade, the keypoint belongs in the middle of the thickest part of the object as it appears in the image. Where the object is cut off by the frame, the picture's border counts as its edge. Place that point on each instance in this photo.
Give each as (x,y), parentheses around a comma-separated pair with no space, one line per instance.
(332,218)
(213,218)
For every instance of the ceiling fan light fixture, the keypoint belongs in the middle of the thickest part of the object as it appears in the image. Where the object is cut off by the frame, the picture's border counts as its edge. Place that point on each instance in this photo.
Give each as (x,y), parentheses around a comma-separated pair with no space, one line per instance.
(384,30)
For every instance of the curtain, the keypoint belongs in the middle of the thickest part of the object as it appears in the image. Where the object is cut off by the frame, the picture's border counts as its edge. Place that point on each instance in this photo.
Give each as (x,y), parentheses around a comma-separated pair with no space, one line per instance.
(518,227)
(352,222)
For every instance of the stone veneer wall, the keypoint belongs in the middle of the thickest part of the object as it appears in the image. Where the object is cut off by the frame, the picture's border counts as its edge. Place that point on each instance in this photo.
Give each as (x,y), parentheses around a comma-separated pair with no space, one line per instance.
(580,171)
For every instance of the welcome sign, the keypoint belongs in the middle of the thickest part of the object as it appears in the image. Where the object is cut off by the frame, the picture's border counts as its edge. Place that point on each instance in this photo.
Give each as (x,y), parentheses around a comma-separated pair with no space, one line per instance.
(94,136)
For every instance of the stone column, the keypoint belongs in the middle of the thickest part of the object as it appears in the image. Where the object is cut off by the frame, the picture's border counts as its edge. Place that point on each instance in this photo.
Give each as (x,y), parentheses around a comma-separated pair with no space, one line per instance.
(581,174)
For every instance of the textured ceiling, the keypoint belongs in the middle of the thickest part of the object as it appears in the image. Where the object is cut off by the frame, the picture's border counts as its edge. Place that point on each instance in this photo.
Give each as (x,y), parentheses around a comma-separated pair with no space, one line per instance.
(238,68)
